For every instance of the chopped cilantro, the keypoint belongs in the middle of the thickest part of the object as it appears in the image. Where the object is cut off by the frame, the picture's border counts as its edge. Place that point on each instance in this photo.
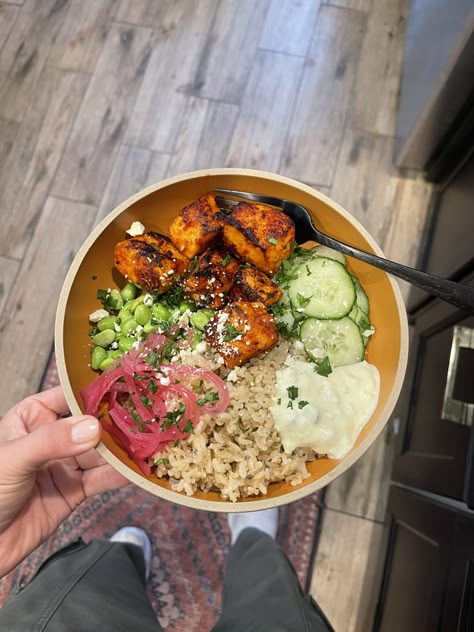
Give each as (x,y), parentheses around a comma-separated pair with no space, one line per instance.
(138,420)
(176,443)
(153,386)
(324,367)
(101,416)
(199,386)
(103,295)
(231,332)
(302,403)
(246,265)
(162,462)
(152,358)
(193,265)
(225,260)
(188,426)
(173,417)
(94,277)
(146,402)
(308,271)
(273,241)
(93,331)
(210,396)
(303,300)
(292,392)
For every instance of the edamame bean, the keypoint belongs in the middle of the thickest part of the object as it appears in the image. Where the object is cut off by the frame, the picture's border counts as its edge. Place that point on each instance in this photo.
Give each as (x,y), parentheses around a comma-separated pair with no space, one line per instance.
(200,318)
(114,354)
(197,338)
(185,306)
(129,292)
(99,354)
(136,302)
(161,312)
(107,363)
(150,328)
(104,338)
(115,300)
(128,326)
(126,344)
(142,314)
(124,315)
(106,323)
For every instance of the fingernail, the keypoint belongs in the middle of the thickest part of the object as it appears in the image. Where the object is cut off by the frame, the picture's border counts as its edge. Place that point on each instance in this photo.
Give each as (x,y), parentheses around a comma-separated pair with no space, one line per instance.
(85,430)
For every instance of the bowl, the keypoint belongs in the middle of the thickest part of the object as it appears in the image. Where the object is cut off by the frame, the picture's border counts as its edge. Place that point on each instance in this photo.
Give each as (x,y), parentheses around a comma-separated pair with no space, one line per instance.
(155,207)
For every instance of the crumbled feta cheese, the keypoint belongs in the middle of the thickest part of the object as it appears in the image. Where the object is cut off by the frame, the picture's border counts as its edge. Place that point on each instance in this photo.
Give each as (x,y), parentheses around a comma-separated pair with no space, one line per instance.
(200,347)
(138,328)
(135,229)
(136,344)
(165,381)
(148,300)
(99,314)
(114,345)
(219,359)
(117,327)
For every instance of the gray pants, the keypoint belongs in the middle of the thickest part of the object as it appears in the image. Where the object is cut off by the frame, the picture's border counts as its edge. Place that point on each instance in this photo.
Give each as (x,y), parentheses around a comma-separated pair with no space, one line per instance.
(100,586)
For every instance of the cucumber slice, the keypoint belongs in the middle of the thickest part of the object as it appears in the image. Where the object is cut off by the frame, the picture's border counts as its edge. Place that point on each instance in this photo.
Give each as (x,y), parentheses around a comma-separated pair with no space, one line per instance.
(340,340)
(362,300)
(322,288)
(324,251)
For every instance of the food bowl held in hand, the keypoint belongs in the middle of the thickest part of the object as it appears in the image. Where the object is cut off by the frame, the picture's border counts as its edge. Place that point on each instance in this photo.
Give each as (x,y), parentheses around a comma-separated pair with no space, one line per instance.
(236,459)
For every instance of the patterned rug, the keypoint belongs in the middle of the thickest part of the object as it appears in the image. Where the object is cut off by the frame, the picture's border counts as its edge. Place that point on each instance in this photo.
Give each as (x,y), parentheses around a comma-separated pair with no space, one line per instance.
(189,546)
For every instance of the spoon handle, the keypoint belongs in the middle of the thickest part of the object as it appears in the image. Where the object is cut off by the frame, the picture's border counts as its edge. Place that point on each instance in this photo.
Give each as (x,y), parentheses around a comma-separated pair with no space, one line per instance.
(457,294)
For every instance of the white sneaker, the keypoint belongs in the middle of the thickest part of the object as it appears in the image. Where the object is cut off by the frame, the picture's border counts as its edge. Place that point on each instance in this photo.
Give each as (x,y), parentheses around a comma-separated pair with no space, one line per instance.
(265,520)
(139,537)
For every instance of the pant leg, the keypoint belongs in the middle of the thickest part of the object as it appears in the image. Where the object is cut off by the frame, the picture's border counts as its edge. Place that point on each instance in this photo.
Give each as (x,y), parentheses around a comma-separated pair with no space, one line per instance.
(84,588)
(262,591)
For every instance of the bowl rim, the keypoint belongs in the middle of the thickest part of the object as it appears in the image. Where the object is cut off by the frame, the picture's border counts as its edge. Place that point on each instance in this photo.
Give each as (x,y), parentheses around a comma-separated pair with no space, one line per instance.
(226,505)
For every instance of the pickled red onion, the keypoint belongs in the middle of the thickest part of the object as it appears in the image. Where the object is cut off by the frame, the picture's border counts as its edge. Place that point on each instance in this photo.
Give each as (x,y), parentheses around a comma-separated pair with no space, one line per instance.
(140,402)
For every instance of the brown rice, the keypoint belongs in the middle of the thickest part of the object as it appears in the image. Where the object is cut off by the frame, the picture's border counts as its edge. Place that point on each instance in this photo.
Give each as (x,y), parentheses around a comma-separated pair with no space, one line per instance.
(239,452)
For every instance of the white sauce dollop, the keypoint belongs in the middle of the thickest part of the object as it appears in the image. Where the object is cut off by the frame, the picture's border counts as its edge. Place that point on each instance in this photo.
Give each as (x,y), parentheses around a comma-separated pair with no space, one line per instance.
(338,406)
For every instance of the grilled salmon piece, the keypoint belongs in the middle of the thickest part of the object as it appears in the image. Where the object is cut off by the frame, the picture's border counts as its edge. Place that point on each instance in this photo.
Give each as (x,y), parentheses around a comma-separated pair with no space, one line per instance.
(196,226)
(259,235)
(253,285)
(240,331)
(151,261)
(211,279)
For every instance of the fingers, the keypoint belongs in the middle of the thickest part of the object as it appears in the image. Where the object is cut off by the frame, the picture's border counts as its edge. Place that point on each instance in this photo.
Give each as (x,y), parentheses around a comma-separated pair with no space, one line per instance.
(101,479)
(54,399)
(55,440)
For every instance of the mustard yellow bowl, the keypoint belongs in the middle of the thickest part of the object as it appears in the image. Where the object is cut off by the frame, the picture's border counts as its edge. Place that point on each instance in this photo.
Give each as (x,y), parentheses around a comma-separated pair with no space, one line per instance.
(155,207)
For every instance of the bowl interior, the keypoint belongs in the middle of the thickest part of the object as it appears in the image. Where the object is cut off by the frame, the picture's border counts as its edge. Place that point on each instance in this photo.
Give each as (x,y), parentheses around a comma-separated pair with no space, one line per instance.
(155,208)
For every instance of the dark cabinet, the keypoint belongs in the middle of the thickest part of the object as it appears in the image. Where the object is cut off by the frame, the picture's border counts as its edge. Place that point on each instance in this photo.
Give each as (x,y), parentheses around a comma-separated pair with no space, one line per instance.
(428,582)
(435,446)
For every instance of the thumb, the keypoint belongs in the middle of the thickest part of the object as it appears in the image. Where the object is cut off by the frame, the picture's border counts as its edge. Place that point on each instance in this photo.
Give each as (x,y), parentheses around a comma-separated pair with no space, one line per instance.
(55,440)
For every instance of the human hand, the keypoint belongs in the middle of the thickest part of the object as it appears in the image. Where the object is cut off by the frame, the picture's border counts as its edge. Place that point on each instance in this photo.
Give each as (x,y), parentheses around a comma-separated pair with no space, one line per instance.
(47,468)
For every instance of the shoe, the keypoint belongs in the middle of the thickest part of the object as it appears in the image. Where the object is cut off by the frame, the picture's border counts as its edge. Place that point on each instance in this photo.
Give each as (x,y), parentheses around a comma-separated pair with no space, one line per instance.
(139,537)
(265,520)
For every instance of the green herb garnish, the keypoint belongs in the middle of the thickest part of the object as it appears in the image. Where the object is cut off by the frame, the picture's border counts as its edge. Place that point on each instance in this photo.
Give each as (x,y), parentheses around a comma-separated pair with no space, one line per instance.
(225,260)
(303,300)
(146,402)
(138,420)
(188,426)
(162,462)
(152,358)
(324,367)
(210,396)
(153,386)
(292,392)
(231,332)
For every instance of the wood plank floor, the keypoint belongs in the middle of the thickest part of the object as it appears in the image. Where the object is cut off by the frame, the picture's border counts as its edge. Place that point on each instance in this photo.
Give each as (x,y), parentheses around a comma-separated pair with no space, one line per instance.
(99,98)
